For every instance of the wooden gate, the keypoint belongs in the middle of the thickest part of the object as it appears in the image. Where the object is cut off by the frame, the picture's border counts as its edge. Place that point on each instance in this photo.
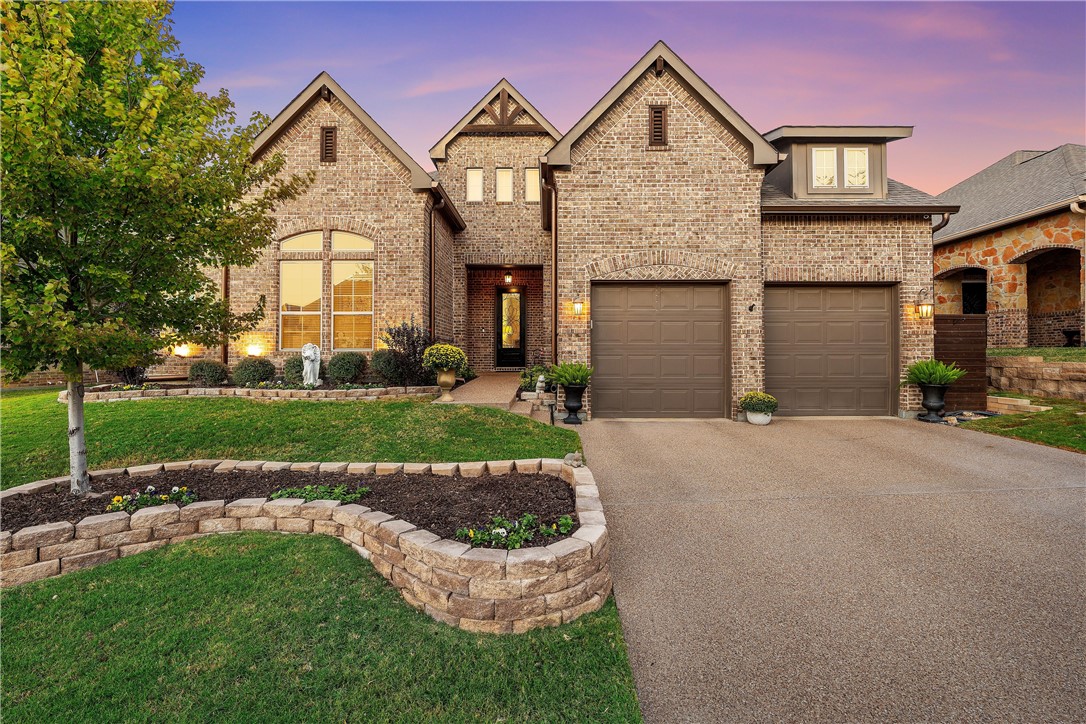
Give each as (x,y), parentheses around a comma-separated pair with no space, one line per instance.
(963,340)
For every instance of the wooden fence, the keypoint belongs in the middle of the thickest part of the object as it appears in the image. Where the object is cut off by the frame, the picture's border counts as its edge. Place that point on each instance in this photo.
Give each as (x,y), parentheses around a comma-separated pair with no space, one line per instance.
(963,340)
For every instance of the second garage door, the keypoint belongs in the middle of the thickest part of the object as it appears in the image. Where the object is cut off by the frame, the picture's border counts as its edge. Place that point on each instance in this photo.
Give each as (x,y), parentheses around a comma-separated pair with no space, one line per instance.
(830,350)
(660,350)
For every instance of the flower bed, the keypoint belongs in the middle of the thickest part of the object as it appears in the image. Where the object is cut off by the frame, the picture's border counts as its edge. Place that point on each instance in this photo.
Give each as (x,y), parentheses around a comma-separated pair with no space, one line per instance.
(476,589)
(356,393)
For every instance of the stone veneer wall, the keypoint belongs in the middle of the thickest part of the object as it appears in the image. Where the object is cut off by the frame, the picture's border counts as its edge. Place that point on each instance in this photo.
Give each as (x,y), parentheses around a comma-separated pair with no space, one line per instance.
(686,211)
(886,250)
(1034,376)
(479,590)
(1000,253)
(507,234)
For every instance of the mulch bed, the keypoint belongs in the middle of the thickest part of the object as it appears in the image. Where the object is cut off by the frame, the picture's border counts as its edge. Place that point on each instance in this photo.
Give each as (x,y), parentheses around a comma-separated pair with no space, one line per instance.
(438,503)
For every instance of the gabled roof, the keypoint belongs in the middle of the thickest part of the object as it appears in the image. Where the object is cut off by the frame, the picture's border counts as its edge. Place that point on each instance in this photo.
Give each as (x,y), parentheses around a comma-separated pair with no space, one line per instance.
(900,199)
(764,153)
(1015,188)
(879,134)
(507,122)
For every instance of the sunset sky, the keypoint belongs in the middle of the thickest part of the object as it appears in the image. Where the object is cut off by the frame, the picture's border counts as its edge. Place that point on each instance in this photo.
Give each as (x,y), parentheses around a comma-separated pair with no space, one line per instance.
(977,80)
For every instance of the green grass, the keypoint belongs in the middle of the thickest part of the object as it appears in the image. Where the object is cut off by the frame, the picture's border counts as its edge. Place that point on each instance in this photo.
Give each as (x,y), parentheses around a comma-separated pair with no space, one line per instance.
(33,433)
(260,627)
(1050,354)
(1063,426)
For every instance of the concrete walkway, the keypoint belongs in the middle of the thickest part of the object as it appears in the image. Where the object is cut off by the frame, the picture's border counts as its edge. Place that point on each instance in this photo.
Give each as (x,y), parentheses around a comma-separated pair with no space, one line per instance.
(489,389)
(845,570)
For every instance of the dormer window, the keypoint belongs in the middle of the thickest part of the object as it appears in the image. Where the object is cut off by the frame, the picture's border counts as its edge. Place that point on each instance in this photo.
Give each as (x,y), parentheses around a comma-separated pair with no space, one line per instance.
(824,168)
(856,168)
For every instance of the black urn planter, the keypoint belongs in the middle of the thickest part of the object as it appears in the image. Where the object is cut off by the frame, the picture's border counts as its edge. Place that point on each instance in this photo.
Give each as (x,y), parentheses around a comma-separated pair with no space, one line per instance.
(934,401)
(573,403)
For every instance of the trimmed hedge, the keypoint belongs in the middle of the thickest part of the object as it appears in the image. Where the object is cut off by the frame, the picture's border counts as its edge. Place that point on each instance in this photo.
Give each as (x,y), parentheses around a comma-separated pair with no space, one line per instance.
(347,367)
(253,370)
(209,373)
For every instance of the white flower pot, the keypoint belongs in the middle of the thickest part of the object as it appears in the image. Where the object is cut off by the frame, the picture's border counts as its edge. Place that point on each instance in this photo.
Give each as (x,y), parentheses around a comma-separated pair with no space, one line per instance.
(759,418)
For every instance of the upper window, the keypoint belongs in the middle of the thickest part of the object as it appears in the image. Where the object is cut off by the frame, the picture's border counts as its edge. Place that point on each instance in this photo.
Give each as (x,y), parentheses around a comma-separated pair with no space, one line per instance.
(346,241)
(352,305)
(475,184)
(531,185)
(824,168)
(503,186)
(657,125)
(299,303)
(856,168)
(307,241)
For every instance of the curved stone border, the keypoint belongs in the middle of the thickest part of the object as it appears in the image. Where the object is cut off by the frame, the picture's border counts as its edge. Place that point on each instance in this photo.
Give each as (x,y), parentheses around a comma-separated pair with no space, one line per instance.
(391,393)
(481,590)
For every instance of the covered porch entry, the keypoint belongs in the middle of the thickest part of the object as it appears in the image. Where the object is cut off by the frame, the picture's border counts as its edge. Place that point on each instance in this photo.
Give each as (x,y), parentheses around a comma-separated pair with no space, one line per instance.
(506,321)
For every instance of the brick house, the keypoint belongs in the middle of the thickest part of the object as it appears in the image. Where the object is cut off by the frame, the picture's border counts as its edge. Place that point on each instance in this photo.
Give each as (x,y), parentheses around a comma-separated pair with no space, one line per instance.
(1015,249)
(662,239)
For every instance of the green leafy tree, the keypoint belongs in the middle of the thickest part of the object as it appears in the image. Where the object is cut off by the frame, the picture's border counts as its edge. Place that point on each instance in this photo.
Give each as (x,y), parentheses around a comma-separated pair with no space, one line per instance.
(124,188)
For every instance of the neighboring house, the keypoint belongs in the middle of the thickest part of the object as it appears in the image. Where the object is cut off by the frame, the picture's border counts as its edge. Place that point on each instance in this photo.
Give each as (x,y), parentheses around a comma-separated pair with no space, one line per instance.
(1015,250)
(663,240)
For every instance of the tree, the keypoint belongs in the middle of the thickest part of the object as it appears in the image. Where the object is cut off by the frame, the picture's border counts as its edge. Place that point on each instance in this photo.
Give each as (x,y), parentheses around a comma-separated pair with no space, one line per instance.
(123,187)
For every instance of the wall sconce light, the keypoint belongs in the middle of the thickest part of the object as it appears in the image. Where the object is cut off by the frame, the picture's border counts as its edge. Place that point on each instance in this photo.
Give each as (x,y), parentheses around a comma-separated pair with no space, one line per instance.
(925,309)
(182,350)
(508,278)
(254,350)
(578,308)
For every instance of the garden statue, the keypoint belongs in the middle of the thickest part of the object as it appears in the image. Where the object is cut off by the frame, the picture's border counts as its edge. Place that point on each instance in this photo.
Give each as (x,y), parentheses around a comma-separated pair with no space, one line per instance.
(311,364)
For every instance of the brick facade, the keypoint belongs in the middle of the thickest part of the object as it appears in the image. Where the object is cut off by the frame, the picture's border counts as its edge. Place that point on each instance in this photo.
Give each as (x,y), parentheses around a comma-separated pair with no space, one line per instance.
(1036,279)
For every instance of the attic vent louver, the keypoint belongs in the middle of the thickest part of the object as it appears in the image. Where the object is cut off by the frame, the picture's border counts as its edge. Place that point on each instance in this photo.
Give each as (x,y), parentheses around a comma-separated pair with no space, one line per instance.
(657,125)
(328,144)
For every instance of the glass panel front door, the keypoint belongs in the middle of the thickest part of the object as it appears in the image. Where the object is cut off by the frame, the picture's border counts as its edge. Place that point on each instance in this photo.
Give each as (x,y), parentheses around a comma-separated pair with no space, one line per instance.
(510,323)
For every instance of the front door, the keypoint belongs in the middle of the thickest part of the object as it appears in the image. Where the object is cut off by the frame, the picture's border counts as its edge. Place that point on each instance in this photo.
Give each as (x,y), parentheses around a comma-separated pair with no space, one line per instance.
(511,331)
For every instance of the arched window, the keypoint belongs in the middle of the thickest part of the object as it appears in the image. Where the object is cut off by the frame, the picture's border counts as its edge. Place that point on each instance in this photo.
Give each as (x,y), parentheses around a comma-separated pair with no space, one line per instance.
(346,241)
(306,241)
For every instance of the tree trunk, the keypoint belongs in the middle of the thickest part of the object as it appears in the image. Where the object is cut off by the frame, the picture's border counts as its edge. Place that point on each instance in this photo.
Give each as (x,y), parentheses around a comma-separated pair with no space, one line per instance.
(77,439)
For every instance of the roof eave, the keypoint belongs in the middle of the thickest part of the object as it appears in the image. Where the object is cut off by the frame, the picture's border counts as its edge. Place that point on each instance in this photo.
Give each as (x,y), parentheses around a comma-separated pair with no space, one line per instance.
(1009,221)
(449,209)
(856,209)
(883,134)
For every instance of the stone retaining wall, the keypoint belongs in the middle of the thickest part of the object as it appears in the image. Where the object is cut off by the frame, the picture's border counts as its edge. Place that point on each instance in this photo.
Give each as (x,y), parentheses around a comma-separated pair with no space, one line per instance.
(1034,376)
(388,393)
(481,590)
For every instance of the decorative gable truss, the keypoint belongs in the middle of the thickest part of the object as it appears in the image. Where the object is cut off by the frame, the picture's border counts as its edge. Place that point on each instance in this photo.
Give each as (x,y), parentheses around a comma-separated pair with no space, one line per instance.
(502,110)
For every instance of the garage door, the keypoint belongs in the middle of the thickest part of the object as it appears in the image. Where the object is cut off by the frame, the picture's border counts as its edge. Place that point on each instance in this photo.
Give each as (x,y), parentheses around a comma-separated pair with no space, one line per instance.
(660,350)
(830,350)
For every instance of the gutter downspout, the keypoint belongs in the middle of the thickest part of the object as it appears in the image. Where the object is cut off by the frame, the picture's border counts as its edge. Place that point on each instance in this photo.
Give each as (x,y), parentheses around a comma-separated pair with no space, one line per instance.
(1076,205)
(226,298)
(433,209)
(553,189)
(941,224)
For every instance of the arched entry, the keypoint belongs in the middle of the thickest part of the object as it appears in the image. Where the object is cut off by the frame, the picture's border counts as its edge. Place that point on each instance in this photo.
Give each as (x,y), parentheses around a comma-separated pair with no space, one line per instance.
(963,290)
(1054,297)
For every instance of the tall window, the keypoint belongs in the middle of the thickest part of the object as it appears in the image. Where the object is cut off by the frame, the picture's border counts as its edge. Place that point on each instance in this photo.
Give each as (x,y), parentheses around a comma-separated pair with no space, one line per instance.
(824,168)
(503,185)
(531,185)
(352,305)
(856,171)
(300,303)
(475,184)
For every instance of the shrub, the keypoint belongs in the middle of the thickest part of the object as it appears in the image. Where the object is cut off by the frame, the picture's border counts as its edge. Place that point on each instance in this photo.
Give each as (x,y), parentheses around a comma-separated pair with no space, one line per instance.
(512,534)
(132,375)
(932,372)
(347,367)
(405,344)
(758,402)
(252,371)
(444,357)
(294,367)
(570,374)
(530,376)
(208,373)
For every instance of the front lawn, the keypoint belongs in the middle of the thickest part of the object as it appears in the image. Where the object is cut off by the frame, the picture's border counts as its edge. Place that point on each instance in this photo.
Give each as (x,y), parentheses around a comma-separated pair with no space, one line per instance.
(35,445)
(1050,354)
(1063,426)
(265,627)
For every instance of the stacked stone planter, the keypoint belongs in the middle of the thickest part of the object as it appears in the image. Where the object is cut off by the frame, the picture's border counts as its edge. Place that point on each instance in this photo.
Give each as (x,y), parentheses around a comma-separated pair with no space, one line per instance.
(1034,376)
(480,590)
(377,393)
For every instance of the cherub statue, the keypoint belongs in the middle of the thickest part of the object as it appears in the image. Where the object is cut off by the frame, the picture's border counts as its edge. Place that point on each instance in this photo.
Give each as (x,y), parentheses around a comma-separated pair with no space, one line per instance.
(311,364)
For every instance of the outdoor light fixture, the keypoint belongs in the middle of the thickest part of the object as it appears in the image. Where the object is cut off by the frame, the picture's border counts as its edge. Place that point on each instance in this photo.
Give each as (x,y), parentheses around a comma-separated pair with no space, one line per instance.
(578,307)
(924,306)
(254,350)
(182,350)
(508,278)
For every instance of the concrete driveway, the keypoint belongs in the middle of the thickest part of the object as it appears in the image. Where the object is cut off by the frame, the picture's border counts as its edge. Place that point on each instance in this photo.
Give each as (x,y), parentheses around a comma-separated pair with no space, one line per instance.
(845,570)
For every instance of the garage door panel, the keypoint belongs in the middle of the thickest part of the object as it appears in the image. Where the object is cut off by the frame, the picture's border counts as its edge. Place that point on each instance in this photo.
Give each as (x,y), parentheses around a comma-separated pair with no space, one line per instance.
(829,350)
(659,350)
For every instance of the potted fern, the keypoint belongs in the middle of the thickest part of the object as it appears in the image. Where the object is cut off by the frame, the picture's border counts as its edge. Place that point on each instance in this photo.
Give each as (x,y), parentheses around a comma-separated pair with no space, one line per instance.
(574,379)
(933,378)
(759,407)
(446,360)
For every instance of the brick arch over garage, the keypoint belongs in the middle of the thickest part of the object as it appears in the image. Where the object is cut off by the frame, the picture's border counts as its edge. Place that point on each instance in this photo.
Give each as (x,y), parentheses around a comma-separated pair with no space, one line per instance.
(660,265)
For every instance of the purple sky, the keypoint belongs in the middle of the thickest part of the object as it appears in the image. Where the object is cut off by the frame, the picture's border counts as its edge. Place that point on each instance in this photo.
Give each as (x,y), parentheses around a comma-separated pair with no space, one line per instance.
(977,80)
